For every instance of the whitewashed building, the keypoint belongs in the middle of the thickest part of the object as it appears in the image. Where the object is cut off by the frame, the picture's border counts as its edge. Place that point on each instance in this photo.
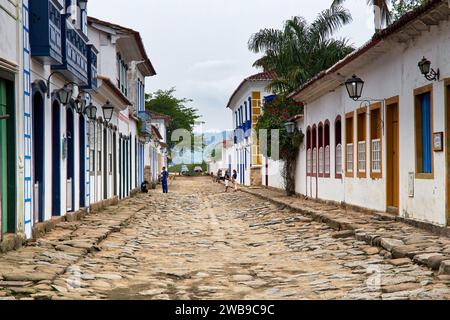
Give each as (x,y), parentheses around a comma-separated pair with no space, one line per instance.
(245,104)
(14,95)
(159,146)
(120,146)
(390,152)
(71,121)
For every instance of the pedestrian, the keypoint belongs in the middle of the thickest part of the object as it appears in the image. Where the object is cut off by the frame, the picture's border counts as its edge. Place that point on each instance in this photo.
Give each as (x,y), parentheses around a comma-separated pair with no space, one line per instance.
(227,180)
(144,187)
(219,175)
(234,179)
(164,178)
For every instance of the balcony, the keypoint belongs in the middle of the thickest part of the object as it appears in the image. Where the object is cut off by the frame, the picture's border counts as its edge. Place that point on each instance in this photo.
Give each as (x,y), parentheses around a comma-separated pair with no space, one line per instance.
(146,128)
(143,116)
(92,69)
(75,54)
(45,31)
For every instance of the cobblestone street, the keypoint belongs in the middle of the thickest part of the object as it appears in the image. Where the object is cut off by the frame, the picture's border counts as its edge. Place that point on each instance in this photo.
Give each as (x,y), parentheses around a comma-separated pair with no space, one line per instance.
(200,243)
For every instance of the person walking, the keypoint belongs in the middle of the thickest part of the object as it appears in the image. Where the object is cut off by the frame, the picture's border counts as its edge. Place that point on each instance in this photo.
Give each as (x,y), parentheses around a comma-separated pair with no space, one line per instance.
(164,178)
(227,180)
(234,179)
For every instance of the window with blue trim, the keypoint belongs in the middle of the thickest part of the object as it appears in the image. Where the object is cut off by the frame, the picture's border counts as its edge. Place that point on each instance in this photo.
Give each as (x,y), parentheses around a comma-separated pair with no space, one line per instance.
(246,114)
(424,152)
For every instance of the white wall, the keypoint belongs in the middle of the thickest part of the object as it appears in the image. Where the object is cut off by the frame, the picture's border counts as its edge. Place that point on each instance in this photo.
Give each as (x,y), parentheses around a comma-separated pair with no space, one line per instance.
(244,148)
(393,74)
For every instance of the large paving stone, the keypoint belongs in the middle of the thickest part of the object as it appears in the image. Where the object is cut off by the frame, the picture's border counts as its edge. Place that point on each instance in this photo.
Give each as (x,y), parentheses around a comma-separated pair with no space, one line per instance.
(445,268)
(390,244)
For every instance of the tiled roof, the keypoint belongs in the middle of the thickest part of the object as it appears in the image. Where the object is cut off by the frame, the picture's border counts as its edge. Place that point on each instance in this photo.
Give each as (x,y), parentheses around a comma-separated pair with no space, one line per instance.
(156,115)
(136,35)
(262,76)
(378,37)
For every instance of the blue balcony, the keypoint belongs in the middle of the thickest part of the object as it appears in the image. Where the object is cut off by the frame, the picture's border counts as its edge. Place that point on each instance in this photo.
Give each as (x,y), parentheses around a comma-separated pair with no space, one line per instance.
(45,31)
(146,129)
(143,116)
(92,68)
(75,54)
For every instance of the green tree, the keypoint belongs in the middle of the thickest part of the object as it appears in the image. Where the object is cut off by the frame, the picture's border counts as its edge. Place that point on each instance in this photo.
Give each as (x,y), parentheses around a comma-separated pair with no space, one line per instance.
(276,114)
(183,117)
(381,5)
(400,7)
(300,50)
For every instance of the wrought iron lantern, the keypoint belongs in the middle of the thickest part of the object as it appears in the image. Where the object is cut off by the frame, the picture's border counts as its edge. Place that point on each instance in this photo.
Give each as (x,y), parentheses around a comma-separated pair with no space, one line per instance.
(429,73)
(108,110)
(290,127)
(354,87)
(65,94)
(82,4)
(91,112)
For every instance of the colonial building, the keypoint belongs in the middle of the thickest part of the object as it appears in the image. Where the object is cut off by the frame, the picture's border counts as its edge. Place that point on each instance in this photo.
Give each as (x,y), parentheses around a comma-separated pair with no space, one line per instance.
(124,87)
(14,92)
(387,151)
(245,104)
(76,128)
(160,145)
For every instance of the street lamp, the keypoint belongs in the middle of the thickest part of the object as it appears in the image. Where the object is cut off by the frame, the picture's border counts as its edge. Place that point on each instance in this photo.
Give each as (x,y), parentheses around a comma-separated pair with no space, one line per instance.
(429,73)
(91,112)
(354,87)
(82,4)
(65,94)
(108,110)
(290,127)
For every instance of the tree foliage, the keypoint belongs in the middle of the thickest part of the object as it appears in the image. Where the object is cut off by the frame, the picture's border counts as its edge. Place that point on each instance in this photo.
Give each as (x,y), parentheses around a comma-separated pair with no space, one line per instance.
(401,7)
(165,102)
(383,5)
(276,114)
(300,50)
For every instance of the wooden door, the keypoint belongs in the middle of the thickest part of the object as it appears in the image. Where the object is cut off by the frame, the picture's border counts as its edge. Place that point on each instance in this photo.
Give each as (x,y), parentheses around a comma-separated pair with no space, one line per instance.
(392,137)
(3,144)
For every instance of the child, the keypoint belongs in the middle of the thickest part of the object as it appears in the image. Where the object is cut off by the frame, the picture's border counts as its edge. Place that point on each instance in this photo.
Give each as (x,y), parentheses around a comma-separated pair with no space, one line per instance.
(144,187)
(234,178)
(227,181)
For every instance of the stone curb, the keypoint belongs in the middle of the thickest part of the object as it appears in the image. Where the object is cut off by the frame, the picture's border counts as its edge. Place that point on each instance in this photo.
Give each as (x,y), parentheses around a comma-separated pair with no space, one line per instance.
(117,227)
(397,248)
(15,241)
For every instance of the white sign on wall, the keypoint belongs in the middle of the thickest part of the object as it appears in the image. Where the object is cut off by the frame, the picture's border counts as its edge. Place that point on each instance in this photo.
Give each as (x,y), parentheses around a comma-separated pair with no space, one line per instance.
(411,179)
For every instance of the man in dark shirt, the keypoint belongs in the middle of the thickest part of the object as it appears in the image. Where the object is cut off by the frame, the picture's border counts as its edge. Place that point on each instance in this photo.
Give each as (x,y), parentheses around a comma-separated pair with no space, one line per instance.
(164,178)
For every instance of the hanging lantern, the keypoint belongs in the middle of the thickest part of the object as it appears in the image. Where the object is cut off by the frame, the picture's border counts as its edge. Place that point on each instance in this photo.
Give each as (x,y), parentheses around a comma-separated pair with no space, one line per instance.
(354,87)
(108,110)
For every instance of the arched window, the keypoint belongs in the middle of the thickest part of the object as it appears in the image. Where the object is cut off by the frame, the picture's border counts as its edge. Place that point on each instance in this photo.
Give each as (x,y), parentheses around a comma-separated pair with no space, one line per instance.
(308,152)
(321,150)
(326,142)
(314,151)
(338,146)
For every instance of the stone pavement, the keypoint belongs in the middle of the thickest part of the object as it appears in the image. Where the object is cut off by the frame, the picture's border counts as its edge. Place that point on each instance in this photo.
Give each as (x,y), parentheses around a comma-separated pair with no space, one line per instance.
(399,239)
(199,243)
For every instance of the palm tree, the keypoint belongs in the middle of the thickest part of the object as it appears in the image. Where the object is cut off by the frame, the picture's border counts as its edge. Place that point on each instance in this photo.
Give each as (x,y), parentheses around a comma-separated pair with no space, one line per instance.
(301,50)
(381,10)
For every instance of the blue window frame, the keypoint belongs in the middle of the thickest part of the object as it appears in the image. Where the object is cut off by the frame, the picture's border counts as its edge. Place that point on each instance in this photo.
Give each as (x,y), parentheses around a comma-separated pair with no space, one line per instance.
(424,132)
(246,114)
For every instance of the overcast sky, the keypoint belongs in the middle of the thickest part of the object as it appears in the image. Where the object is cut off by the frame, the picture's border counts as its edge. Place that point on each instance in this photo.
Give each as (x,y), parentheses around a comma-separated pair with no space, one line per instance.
(200,46)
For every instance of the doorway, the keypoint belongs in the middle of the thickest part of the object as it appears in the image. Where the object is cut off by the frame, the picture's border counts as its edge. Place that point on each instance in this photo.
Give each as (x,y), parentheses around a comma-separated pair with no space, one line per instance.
(105,163)
(114,168)
(82,139)
(7,159)
(38,156)
(392,146)
(56,159)
(70,160)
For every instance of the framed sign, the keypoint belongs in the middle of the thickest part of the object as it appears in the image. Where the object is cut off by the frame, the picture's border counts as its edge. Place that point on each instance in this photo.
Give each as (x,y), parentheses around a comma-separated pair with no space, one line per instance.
(438,141)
